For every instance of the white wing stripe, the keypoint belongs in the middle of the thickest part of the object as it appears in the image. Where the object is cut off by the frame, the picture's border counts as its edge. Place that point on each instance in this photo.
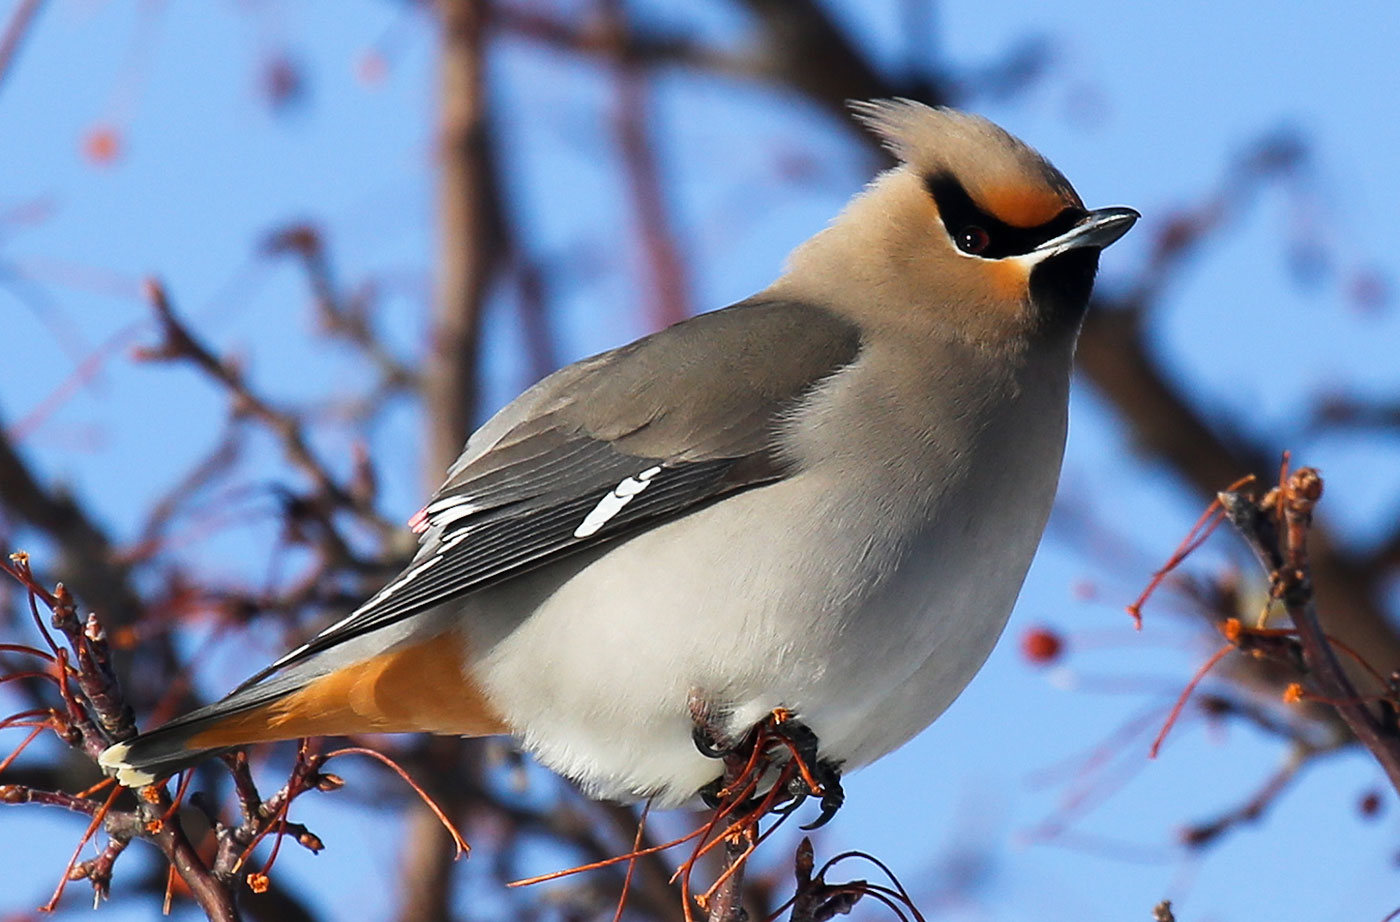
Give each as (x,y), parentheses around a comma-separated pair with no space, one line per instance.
(614,502)
(447,502)
(406,577)
(447,517)
(450,509)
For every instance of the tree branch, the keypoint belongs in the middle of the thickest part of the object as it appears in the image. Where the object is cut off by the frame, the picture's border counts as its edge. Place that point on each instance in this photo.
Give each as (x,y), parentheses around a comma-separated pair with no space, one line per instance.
(669,289)
(1284,554)
(465,256)
(89,561)
(1113,354)
(466,259)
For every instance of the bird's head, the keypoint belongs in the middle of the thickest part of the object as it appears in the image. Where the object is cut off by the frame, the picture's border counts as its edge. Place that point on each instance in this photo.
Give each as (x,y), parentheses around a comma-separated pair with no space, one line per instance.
(973,234)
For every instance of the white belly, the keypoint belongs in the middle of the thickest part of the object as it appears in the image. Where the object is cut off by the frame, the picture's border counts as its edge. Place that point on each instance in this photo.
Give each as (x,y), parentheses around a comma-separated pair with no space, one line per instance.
(596,681)
(862,593)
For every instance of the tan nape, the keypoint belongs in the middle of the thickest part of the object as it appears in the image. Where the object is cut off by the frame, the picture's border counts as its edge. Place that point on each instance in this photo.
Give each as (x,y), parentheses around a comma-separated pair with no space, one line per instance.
(419,688)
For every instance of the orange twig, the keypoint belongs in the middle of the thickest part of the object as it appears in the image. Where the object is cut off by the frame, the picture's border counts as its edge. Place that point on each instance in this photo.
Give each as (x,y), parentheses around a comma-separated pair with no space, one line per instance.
(276,821)
(33,735)
(1244,632)
(25,650)
(632,862)
(606,862)
(1358,658)
(1209,664)
(462,847)
(91,831)
(186,778)
(22,718)
(169,898)
(732,803)
(101,785)
(899,890)
(17,676)
(1202,530)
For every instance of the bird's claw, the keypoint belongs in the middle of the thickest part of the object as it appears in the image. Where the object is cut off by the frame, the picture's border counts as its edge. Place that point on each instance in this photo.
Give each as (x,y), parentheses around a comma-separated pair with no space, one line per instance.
(705,740)
(707,728)
(828,775)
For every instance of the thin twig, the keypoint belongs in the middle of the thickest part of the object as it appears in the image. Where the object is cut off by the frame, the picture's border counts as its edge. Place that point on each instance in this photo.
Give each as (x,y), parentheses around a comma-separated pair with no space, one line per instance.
(181,343)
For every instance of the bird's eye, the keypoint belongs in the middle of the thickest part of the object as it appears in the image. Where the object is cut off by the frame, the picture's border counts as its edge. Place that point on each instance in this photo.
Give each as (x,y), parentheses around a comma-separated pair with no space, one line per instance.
(973,239)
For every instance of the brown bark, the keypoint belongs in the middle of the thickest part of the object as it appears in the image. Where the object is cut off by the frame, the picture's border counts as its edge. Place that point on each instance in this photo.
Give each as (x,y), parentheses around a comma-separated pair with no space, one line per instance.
(668,289)
(464,253)
(465,260)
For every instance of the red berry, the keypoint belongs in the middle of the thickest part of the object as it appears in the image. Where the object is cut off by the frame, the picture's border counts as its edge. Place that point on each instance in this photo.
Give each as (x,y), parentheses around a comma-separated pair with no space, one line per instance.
(102,145)
(1041,645)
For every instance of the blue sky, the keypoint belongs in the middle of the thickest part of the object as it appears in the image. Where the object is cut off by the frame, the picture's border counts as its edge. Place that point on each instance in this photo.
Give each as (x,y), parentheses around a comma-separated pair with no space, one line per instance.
(1143,105)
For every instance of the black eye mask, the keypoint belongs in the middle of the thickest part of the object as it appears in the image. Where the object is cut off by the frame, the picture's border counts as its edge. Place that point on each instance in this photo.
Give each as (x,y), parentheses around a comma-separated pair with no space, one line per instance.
(977,233)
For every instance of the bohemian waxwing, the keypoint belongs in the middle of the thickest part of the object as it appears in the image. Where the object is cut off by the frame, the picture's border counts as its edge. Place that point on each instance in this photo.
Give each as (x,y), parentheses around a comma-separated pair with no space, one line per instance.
(823,499)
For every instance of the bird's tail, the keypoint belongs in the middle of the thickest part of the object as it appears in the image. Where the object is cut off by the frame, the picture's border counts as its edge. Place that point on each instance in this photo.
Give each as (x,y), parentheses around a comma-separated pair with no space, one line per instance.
(419,687)
(164,751)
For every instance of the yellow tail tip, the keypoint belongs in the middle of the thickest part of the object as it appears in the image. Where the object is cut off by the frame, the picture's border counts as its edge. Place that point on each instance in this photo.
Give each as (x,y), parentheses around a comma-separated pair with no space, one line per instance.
(113,762)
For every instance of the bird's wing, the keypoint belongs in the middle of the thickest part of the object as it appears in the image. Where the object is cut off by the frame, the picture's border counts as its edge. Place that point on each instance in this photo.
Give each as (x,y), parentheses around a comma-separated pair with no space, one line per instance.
(610,446)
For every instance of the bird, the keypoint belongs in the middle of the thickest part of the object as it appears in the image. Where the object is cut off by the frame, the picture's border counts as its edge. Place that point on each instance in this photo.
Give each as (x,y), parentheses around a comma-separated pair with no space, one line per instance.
(820,501)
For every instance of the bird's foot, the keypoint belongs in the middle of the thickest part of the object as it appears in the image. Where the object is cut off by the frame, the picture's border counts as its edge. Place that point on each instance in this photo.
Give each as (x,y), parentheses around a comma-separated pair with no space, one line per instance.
(815,776)
(806,773)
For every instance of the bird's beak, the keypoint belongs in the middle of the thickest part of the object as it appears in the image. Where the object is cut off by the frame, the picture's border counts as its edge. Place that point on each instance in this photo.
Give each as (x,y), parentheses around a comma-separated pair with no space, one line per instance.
(1098,229)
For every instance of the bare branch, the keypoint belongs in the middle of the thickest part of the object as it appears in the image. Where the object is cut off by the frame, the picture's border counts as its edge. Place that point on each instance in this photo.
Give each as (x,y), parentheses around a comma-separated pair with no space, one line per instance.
(1281,544)
(602,38)
(466,255)
(16,30)
(344,317)
(89,559)
(99,701)
(669,293)
(804,48)
(180,343)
